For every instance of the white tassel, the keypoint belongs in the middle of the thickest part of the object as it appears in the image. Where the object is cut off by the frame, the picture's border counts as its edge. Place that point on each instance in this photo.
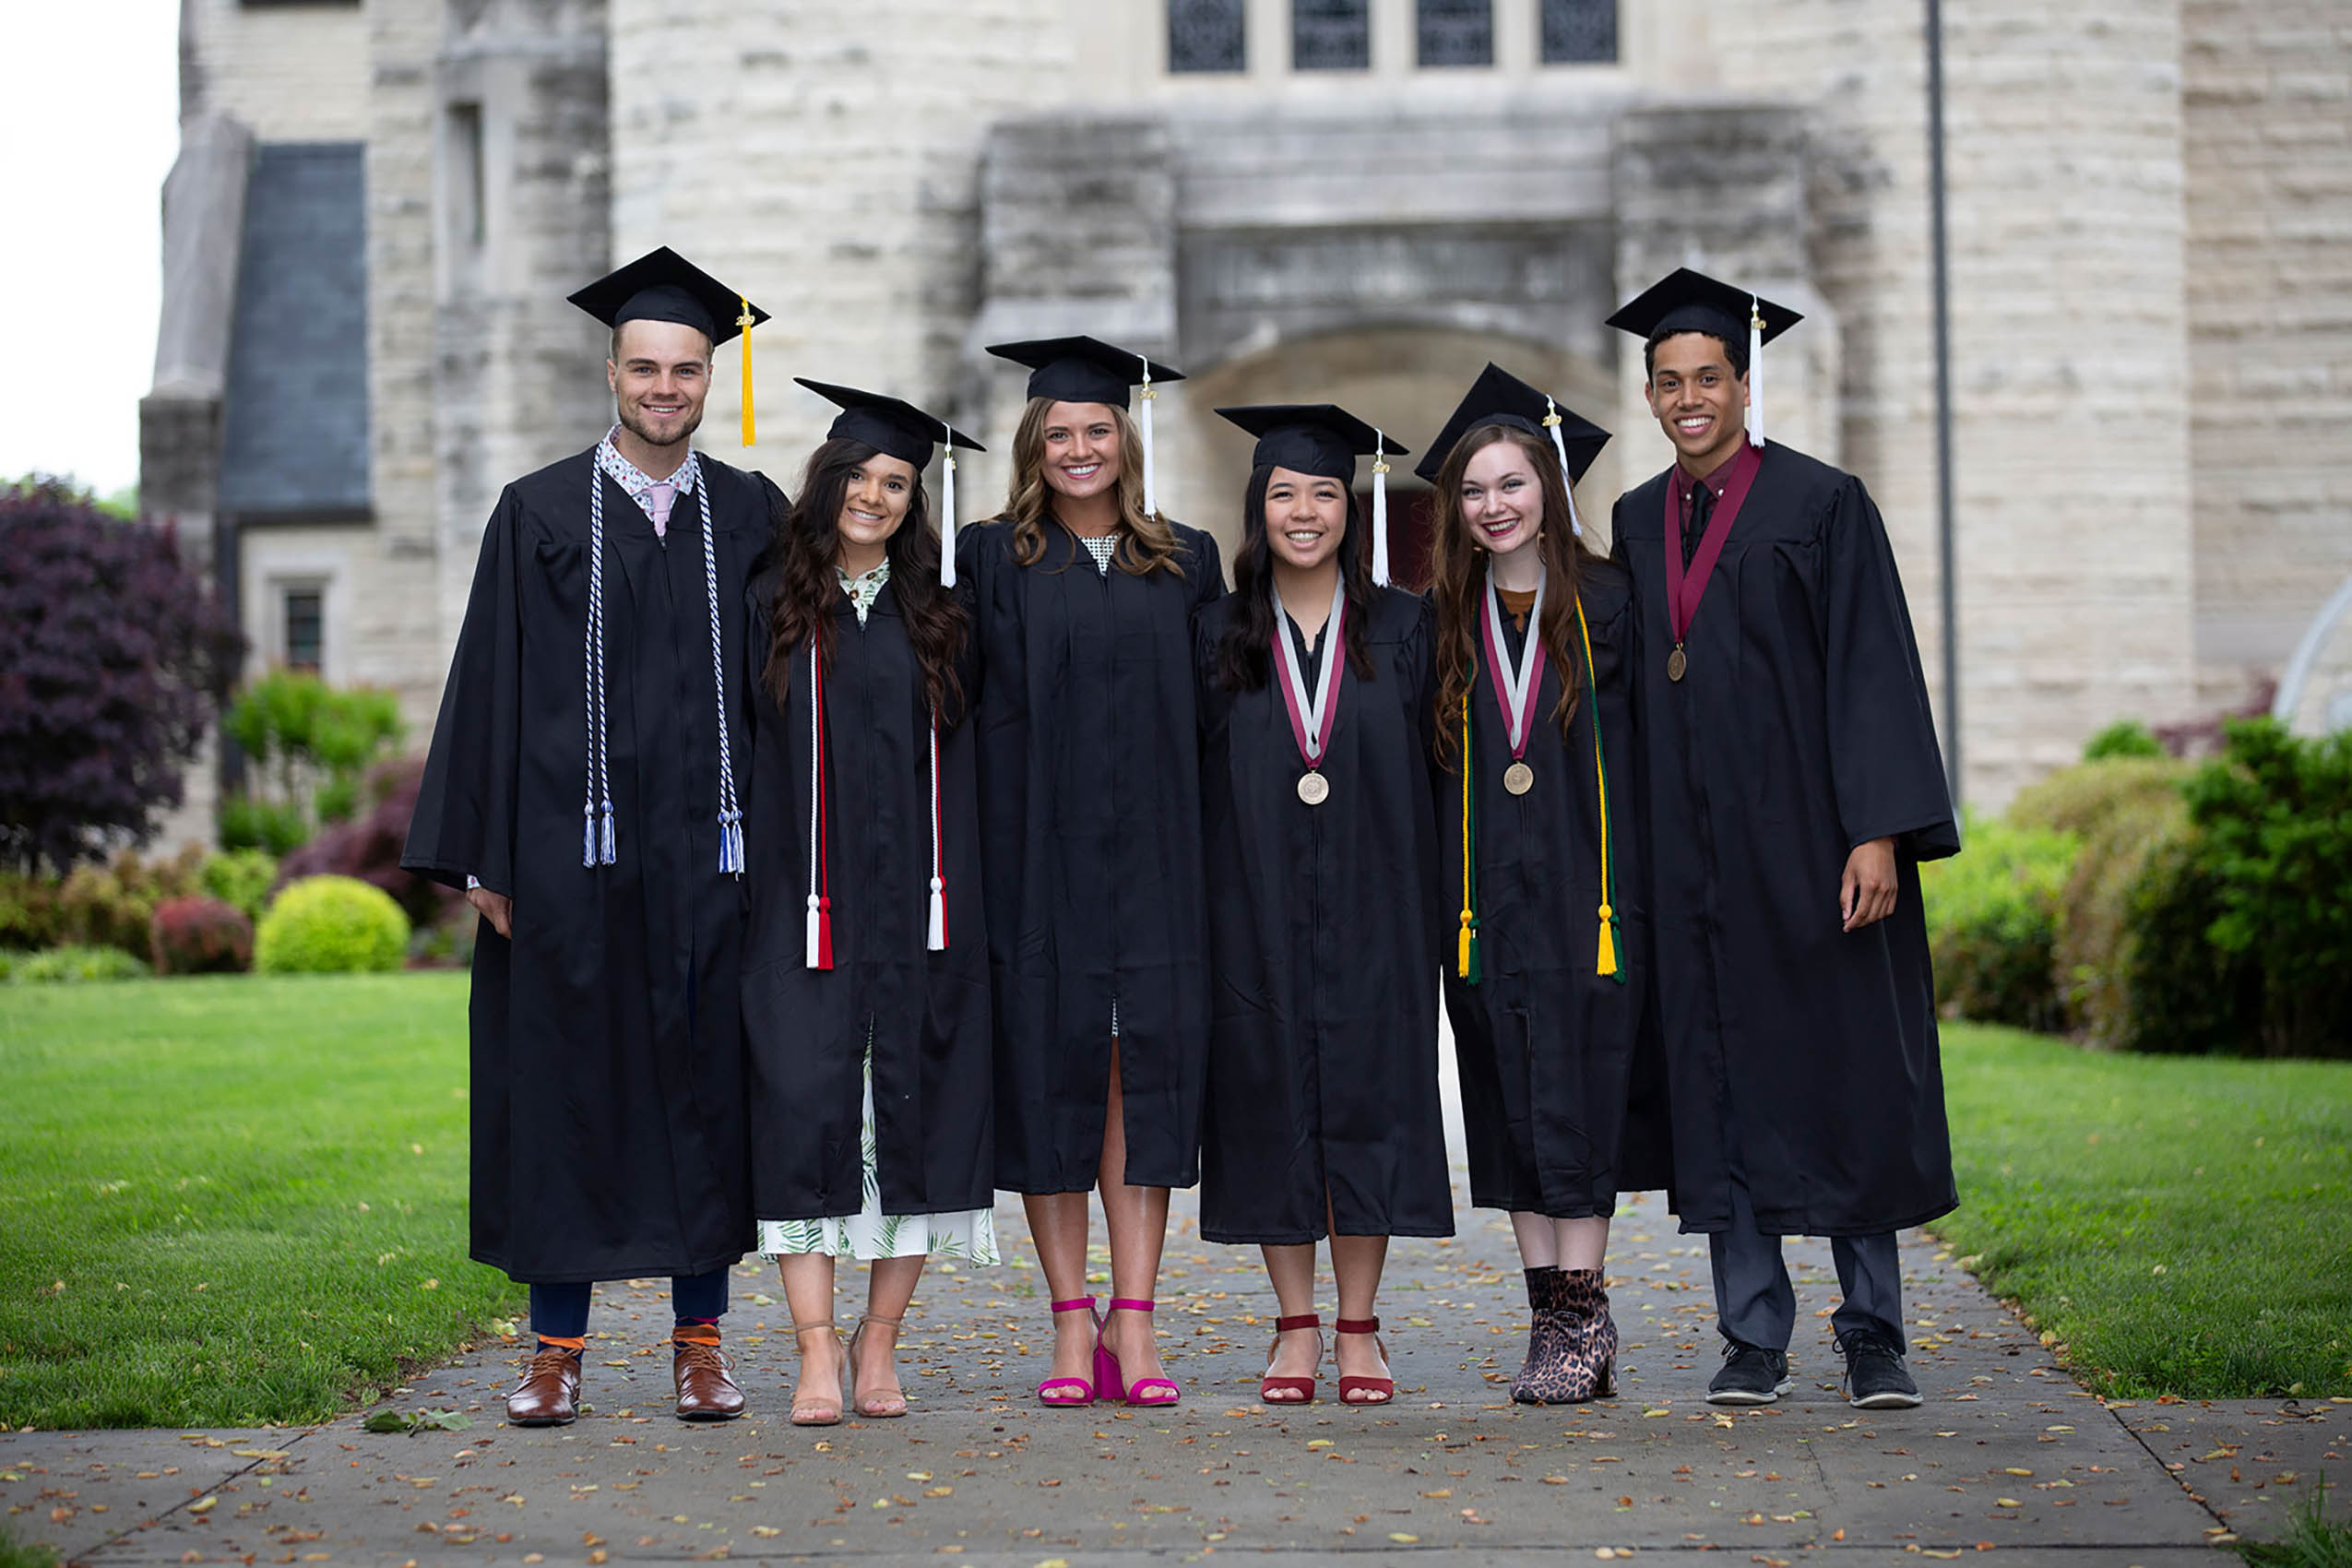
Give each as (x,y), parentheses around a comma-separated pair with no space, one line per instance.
(1559,449)
(938,915)
(1380,510)
(588,834)
(947,515)
(1151,494)
(605,851)
(1755,373)
(812,938)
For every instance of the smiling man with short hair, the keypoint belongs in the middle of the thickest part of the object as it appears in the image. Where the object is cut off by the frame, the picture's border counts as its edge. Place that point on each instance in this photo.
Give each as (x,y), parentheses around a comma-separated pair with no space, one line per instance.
(583,788)
(1793,785)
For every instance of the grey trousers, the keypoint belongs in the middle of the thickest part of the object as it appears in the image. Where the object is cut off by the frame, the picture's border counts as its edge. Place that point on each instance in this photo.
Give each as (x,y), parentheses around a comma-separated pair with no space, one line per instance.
(1755,1305)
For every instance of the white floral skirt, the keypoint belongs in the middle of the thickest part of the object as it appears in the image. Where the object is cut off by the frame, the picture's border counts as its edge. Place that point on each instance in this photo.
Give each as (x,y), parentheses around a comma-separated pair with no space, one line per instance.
(969,1235)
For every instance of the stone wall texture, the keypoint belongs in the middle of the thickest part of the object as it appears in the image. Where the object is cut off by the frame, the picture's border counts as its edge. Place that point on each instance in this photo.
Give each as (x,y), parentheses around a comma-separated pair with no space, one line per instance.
(2267,132)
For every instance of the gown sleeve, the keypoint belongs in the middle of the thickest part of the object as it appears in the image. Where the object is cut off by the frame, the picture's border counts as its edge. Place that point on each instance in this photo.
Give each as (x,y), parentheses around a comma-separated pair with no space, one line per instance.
(1885,762)
(464,822)
(1208,579)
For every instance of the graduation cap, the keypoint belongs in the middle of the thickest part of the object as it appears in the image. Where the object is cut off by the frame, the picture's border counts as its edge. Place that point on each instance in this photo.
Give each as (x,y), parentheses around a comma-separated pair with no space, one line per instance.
(1326,440)
(1685,301)
(1088,370)
(905,432)
(1497,396)
(661,285)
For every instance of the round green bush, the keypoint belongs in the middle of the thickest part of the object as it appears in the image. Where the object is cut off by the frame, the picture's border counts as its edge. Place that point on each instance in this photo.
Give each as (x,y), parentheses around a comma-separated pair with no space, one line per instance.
(331,926)
(77,963)
(2125,737)
(1992,923)
(2081,799)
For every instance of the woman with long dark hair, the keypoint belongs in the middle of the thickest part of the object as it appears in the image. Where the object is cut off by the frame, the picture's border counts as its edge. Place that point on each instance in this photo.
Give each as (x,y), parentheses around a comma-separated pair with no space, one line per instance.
(1083,596)
(1322,851)
(1534,726)
(865,978)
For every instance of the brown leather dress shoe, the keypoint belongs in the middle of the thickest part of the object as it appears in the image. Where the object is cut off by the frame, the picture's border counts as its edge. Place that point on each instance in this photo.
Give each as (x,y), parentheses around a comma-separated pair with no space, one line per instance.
(550,1392)
(706,1390)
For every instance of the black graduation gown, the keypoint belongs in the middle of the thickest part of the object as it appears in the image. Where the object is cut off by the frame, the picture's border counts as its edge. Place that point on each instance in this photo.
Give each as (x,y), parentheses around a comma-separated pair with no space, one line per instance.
(805,1029)
(1323,1044)
(1802,1059)
(1561,1106)
(1089,791)
(606,1057)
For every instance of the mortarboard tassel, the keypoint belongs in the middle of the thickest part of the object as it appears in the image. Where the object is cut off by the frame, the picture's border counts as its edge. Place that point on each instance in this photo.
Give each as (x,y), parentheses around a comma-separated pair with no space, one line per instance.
(947,514)
(1559,448)
(1380,510)
(1755,373)
(1151,495)
(938,939)
(744,321)
(819,934)
(1605,957)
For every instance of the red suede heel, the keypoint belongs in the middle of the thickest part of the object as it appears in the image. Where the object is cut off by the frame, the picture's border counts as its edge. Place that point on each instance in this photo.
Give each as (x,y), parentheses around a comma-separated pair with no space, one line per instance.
(1299,1390)
(1087,1392)
(1373,1390)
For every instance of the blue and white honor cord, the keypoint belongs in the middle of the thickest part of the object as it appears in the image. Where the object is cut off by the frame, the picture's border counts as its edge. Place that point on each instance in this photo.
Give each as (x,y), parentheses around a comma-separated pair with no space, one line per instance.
(597,838)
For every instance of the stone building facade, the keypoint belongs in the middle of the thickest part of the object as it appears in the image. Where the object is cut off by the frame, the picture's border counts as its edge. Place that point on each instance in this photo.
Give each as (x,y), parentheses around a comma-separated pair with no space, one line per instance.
(1359,200)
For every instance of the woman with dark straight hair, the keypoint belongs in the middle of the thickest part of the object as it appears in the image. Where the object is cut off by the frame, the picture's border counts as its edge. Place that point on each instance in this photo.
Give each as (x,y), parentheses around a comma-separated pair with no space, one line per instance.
(1089,778)
(1543,982)
(1322,850)
(865,978)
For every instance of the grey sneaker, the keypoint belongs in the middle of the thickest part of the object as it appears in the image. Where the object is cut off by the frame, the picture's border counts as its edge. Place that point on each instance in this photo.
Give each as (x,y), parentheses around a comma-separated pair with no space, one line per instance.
(1750,1375)
(1876,1378)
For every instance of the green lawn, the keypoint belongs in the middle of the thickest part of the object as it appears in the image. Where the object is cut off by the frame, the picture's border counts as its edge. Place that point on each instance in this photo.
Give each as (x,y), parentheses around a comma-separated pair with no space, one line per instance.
(230,1200)
(2182,1225)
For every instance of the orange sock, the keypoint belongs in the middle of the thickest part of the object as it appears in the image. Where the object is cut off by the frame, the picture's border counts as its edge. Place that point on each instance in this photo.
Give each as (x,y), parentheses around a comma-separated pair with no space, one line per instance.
(549,1341)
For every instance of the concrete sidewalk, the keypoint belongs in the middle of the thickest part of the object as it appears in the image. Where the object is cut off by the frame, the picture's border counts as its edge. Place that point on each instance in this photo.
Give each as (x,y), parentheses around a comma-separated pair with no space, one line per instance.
(2007,1455)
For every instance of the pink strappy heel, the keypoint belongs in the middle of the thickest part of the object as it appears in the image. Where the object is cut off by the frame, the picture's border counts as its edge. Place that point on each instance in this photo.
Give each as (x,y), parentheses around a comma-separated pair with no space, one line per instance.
(1085,1394)
(1109,1383)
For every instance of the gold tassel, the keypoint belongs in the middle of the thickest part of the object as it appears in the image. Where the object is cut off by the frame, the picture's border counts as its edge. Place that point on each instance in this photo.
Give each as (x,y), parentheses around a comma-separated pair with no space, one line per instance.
(744,321)
(1606,963)
(1462,953)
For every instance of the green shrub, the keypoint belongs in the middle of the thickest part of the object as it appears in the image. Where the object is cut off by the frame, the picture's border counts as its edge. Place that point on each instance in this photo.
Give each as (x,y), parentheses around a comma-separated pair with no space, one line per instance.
(2125,737)
(267,826)
(2093,911)
(1992,923)
(2080,800)
(2179,993)
(2275,813)
(331,926)
(112,906)
(76,964)
(29,914)
(243,877)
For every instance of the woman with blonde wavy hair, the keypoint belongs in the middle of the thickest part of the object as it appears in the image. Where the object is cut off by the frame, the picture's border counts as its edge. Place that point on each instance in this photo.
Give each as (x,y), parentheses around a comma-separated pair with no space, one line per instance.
(1089,786)
(1544,975)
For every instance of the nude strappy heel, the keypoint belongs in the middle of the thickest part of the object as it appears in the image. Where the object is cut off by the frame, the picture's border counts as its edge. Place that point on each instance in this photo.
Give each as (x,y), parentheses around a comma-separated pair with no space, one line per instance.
(808,1412)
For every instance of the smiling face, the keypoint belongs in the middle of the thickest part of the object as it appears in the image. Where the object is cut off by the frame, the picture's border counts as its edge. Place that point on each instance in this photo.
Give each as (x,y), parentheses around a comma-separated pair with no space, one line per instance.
(1501,498)
(1699,401)
(1081,456)
(659,374)
(874,499)
(1306,517)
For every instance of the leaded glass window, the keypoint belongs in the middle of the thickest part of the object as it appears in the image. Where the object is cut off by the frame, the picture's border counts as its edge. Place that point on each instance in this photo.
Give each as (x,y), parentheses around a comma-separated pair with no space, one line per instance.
(1205,35)
(1578,32)
(1456,32)
(1330,35)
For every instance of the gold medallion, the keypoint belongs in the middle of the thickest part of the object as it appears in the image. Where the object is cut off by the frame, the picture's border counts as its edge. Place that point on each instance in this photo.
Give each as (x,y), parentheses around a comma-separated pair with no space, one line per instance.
(1313,788)
(1518,779)
(1676,664)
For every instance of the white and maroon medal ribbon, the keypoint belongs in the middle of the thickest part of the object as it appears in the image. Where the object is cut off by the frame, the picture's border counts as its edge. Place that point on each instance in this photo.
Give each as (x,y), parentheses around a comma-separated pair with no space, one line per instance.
(1514,691)
(1311,716)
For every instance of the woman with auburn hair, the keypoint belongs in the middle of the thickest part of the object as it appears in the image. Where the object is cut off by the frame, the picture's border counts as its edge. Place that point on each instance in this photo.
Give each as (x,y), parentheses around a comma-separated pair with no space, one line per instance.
(1543,980)
(1089,785)
(1322,1114)
(865,975)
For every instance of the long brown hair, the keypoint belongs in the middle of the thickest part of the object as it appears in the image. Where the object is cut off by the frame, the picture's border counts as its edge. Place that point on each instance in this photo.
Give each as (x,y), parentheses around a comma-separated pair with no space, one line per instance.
(1457,582)
(807,600)
(1146,542)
